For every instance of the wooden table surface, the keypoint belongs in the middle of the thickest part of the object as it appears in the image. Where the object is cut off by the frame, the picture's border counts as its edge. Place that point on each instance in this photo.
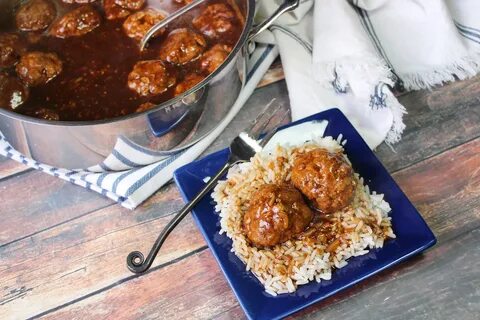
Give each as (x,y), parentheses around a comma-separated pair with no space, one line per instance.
(63,248)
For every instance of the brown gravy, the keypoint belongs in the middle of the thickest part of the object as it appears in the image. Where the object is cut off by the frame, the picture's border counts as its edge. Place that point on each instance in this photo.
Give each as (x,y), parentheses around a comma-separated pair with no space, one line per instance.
(93,82)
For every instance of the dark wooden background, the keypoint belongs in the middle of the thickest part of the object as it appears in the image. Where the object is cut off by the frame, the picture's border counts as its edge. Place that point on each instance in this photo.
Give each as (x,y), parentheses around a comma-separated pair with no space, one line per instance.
(63,248)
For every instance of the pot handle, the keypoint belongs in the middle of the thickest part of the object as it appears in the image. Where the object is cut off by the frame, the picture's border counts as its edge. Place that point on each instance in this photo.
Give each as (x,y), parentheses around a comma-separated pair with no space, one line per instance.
(249,47)
(286,6)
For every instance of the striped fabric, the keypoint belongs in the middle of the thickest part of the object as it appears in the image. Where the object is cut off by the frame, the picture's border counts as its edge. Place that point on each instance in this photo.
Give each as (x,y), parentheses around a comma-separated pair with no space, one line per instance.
(130,174)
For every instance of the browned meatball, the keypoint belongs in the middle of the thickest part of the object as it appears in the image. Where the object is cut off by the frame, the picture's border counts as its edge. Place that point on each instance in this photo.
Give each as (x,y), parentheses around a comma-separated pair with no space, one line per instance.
(216,20)
(149,78)
(277,213)
(11,47)
(37,68)
(35,15)
(77,22)
(189,82)
(114,11)
(137,25)
(133,5)
(12,92)
(214,57)
(182,46)
(325,178)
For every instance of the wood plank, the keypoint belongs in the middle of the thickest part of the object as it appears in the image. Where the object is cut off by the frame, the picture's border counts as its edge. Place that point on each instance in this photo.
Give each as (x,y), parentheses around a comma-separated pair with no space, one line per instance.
(74,259)
(437,120)
(446,189)
(50,201)
(9,168)
(196,289)
(439,208)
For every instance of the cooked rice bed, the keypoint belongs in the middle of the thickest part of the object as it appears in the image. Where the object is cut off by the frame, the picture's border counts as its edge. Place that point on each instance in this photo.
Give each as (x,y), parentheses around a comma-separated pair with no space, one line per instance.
(363,225)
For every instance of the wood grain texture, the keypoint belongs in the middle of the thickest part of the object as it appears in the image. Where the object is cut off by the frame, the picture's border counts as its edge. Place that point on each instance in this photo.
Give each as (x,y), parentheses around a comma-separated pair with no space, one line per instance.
(34,201)
(208,292)
(436,121)
(9,168)
(74,259)
(197,290)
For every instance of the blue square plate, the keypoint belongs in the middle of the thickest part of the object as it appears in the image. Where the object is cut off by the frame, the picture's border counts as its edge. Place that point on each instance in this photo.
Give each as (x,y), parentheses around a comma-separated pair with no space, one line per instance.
(413,234)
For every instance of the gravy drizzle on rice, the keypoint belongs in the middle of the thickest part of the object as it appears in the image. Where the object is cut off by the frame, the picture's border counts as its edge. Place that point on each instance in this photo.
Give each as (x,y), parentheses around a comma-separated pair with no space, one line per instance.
(350,232)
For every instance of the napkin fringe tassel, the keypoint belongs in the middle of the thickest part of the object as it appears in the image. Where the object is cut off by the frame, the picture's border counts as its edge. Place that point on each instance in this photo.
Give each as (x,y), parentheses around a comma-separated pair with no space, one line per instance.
(398,110)
(463,68)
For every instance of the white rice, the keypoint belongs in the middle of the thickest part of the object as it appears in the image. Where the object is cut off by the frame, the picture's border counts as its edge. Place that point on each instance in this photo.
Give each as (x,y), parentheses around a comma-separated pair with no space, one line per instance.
(281,269)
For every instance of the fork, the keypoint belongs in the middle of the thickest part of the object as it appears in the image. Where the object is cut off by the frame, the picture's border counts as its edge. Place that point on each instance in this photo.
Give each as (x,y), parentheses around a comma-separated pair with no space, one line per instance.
(242,149)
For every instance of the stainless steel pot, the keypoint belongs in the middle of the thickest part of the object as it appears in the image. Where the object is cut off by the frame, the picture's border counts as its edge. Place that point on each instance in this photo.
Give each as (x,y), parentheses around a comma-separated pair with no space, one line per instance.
(167,128)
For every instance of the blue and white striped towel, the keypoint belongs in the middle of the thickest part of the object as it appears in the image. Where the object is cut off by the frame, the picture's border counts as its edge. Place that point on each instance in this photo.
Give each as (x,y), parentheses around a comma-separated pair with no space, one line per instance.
(129,175)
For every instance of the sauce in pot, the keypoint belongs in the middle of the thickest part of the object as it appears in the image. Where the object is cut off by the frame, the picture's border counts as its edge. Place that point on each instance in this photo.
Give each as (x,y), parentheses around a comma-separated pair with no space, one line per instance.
(95,77)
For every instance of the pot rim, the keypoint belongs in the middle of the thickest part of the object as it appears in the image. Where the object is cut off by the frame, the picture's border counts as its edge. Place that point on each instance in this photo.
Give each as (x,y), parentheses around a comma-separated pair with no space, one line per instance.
(240,43)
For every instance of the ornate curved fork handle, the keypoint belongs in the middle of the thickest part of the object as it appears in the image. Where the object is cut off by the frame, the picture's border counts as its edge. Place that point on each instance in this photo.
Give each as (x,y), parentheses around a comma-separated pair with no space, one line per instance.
(136,261)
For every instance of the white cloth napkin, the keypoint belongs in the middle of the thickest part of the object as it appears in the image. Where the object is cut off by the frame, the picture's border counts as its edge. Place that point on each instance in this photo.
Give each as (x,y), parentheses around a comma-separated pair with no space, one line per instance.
(349,53)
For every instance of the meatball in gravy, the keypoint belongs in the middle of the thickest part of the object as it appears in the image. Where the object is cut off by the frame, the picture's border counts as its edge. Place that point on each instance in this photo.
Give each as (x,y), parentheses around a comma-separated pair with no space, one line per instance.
(137,25)
(325,178)
(214,57)
(76,23)
(12,92)
(182,46)
(35,15)
(133,5)
(11,47)
(37,68)
(277,213)
(114,11)
(189,82)
(149,78)
(216,20)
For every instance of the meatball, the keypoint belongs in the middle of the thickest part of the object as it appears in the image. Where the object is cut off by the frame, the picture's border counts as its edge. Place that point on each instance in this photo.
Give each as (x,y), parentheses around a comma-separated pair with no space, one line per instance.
(182,46)
(133,5)
(189,82)
(37,68)
(325,178)
(277,213)
(12,92)
(216,20)
(77,22)
(137,25)
(35,15)
(114,11)
(214,57)
(11,47)
(149,78)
